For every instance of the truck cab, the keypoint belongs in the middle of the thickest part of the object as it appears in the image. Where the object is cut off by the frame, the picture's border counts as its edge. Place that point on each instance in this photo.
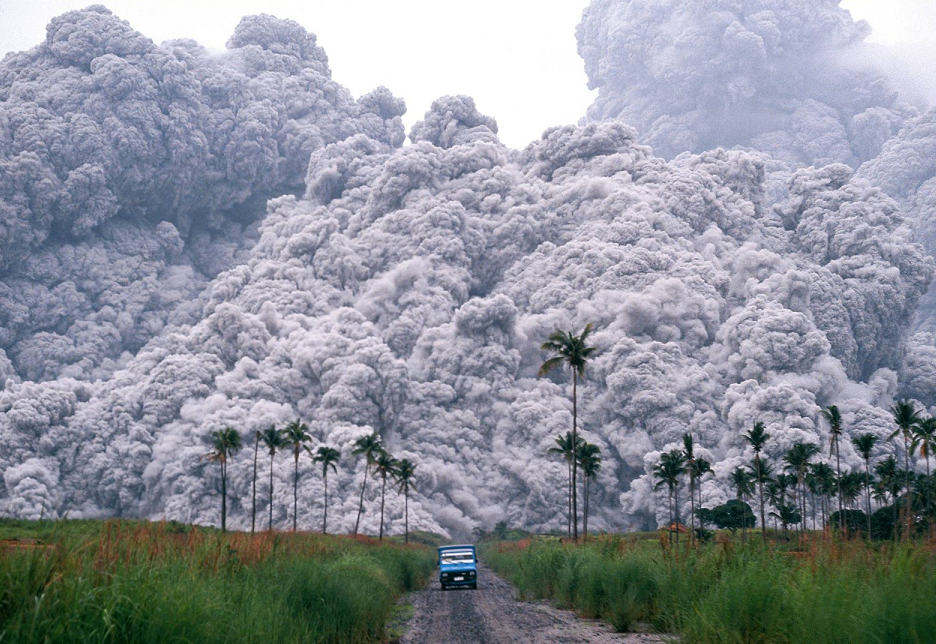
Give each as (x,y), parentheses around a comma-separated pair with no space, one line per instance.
(458,566)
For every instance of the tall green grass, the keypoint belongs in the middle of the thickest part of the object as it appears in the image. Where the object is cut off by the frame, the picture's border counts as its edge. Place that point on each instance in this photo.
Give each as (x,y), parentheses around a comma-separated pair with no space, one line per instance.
(743,594)
(144,583)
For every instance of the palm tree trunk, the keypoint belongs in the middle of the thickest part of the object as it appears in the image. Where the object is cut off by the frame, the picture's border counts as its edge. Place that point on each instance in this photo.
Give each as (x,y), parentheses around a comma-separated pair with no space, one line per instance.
(569,500)
(691,507)
(270,525)
(223,497)
(361,505)
(253,508)
(838,482)
(383,493)
(868,493)
(574,459)
(585,515)
(295,487)
(325,514)
(909,488)
(406,512)
(760,494)
(676,510)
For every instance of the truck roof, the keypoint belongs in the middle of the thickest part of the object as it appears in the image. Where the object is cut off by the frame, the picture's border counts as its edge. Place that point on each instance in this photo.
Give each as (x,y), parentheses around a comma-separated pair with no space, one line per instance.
(458,547)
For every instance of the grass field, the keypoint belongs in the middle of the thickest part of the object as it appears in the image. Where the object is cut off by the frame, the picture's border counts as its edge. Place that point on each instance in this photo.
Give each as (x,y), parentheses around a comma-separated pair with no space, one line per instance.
(88,581)
(737,593)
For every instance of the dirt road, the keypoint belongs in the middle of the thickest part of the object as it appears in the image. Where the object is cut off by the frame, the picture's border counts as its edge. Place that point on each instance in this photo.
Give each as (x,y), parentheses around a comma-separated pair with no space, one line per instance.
(493,615)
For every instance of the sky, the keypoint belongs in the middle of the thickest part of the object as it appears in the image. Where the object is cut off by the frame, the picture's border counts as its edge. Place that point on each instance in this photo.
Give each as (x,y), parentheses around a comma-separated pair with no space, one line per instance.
(517,58)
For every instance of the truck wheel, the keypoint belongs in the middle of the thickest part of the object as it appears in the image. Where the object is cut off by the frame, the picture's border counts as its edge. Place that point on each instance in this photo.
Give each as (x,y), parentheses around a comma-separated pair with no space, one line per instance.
(474,586)
(444,587)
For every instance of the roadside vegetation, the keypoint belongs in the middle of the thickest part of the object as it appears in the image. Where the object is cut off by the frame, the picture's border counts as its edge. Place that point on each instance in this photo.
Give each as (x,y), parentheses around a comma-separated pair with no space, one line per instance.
(829,591)
(140,582)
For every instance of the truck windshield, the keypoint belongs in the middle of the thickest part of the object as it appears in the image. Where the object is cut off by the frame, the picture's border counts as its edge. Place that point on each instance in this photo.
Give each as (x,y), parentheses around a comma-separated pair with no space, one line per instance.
(457,557)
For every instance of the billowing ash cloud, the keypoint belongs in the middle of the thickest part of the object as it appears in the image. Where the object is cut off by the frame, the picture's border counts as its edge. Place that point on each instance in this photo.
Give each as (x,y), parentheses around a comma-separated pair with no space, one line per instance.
(407,290)
(773,75)
(131,174)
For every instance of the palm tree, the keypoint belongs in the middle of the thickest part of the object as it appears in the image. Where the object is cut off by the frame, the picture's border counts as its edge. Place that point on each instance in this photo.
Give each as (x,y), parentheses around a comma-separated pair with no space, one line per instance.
(369,446)
(905,417)
(253,507)
(571,350)
(924,439)
(296,435)
(761,472)
(757,437)
(327,456)
(385,466)
(890,481)
(823,480)
(742,482)
(776,492)
(689,456)
(668,471)
(834,418)
(864,445)
(700,468)
(405,472)
(797,462)
(564,448)
(589,459)
(273,440)
(224,442)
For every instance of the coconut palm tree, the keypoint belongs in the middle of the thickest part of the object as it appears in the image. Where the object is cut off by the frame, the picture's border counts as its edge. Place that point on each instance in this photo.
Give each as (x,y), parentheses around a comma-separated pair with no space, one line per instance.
(743,484)
(370,447)
(385,466)
(667,472)
(761,472)
(573,351)
(689,456)
(589,459)
(823,482)
(405,472)
(253,506)
(564,448)
(224,442)
(757,438)
(890,482)
(273,440)
(924,439)
(906,418)
(700,468)
(327,456)
(864,445)
(296,434)
(834,418)
(797,461)
(776,493)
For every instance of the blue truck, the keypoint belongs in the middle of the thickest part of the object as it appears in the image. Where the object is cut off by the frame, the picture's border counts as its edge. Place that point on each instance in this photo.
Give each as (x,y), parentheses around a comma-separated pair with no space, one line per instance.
(458,566)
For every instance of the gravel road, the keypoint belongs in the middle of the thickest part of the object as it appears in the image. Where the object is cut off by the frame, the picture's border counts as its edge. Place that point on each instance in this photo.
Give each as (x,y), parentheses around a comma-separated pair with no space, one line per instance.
(493,615)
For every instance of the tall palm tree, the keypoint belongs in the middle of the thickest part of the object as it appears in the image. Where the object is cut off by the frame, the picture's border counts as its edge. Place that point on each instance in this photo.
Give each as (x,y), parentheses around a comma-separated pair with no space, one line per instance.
(834,418)
(589,459)
(823,480)
(864,444)
(405,472)
(905,417)
(253,506)
(327,456)
(757,438)
(224,442)
(573,351)
(385,466)
(797,461)
(924,439)
(368,446)
(689,456)
(700,468)
(742,482)
(891,482)
(565,449)
(667,472)
(273,440)
(297,436)
(776,492)
(761,472)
